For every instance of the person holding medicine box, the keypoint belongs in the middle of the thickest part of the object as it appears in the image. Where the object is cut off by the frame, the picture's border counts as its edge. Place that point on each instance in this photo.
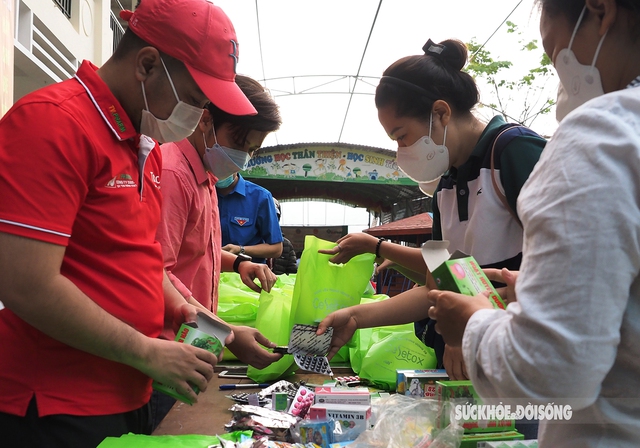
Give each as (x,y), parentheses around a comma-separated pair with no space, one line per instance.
(571,338)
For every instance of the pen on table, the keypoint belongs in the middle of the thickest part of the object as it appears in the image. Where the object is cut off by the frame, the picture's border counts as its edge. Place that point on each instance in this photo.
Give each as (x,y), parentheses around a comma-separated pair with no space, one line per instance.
(244,386)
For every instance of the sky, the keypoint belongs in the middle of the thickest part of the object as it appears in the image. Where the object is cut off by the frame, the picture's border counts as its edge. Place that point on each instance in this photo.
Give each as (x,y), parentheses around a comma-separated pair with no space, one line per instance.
(315,49)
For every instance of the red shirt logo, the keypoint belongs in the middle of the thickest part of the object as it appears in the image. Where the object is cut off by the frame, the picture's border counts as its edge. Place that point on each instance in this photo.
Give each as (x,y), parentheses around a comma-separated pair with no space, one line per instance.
(241,221)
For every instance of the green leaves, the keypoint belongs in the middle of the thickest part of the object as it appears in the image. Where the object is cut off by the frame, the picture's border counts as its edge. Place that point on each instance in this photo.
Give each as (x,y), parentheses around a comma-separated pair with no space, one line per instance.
(511,86)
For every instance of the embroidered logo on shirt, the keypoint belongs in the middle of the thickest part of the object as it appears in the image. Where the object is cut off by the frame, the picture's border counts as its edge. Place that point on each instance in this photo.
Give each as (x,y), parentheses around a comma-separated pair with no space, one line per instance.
(116,117)
(156,179)
(240,220)
(122,181)
(479,192)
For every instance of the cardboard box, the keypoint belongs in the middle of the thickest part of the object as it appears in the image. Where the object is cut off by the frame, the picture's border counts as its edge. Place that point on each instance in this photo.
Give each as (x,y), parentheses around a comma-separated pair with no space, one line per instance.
(458,272)
(419,383)
(206,333)
(482,440)
(352,395)
(512,444)
(353,418)
(462,393)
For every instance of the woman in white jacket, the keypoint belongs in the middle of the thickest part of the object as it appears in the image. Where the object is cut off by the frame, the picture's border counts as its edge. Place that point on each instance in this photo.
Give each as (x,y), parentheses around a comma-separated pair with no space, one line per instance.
(571,338)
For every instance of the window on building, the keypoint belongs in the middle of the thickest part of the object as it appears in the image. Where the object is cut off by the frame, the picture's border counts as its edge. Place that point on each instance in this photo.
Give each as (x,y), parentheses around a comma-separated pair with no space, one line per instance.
(65,6)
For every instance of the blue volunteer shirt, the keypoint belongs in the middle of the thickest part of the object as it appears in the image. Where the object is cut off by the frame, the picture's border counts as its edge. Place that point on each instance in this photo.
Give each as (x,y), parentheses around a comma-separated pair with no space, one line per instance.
(248,216)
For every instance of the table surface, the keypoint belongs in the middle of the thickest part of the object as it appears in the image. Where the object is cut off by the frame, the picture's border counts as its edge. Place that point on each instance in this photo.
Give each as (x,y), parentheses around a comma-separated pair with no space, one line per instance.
(209,415)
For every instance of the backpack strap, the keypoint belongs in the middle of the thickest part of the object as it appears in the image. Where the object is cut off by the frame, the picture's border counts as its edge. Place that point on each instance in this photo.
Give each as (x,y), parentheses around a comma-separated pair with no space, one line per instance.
(499,193)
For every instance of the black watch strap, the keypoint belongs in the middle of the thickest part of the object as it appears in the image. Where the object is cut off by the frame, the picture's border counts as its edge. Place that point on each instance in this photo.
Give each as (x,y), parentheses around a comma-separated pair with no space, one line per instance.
(239,259)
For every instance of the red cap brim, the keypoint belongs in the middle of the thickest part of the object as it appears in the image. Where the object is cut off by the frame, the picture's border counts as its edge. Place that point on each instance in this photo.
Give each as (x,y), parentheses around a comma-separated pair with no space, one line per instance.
(226,95)
(125,15)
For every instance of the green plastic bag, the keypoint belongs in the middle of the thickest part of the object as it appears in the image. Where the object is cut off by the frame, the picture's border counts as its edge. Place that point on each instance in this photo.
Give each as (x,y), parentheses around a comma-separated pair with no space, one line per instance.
(387,349)
(237,305)
(322,287)
(275,321)
(186,441)
(376,353)
(359,343)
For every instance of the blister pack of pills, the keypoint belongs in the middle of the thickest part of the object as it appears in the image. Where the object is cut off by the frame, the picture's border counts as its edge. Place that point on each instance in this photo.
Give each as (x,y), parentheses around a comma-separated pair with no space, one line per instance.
(281,386)
(312,363)
(243,398)
(309,350)
(301,402)
(304,340)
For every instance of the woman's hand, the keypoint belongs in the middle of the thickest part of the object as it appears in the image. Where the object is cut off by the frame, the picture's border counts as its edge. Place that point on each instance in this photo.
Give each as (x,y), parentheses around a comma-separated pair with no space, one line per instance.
(344,325)
(504,275)
(454,363)
(351,245)
(452,311)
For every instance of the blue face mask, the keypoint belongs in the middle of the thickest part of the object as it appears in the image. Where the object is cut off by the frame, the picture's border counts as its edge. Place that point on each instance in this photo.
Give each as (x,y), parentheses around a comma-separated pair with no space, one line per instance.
(223,161)
(224,183)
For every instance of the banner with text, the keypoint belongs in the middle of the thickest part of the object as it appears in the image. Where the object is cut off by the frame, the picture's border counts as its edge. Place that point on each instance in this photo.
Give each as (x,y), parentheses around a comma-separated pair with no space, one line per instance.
(339,163)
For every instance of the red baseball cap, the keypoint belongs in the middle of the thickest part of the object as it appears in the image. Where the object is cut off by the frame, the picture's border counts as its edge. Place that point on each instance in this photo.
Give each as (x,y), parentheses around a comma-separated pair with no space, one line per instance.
(201,36)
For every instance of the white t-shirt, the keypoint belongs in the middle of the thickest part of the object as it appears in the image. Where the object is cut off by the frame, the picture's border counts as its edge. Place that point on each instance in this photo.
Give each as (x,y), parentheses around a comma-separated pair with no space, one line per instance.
(573,337)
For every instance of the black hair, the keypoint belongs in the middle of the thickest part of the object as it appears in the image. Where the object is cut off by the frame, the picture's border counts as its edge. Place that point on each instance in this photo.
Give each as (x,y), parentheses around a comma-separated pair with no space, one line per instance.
(571,9)
(412,84)
(266,120)
(128,43)
(278,209)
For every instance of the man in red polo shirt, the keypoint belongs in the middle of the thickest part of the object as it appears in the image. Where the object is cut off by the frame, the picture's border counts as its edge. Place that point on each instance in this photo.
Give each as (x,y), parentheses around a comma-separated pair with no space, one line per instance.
(81,275)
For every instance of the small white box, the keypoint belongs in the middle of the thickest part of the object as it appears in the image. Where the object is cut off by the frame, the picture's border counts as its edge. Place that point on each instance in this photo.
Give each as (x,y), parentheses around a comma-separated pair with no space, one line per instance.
(353,418)
(352,395)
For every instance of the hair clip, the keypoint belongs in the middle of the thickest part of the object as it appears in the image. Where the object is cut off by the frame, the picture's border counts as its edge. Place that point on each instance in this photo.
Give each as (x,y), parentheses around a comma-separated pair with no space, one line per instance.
(432,48)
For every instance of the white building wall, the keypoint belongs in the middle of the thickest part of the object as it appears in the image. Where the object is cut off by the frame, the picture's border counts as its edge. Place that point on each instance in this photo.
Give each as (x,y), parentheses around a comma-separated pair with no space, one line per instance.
(49,46)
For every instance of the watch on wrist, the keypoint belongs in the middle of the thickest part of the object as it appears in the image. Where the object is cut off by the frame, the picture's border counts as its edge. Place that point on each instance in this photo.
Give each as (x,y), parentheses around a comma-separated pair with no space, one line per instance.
(242,249)
(239,259)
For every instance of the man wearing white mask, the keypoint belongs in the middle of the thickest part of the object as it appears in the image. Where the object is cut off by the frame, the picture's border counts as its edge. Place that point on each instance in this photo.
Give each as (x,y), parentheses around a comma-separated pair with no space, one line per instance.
(570,335)
(190,232)
(81,273)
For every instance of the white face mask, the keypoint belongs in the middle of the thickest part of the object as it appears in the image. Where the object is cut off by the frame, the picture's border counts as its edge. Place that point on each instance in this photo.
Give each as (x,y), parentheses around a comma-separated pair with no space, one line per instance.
(578,83)
(428,188)
(424,161)
(181,123)
(223,161)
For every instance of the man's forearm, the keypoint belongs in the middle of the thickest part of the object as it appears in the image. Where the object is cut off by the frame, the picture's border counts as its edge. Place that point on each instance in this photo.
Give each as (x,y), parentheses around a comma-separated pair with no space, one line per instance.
(32,287)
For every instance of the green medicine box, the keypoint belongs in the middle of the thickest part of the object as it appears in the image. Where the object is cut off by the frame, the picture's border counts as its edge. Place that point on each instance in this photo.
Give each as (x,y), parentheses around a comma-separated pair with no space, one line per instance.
(481,440)
(463,395)
(458,272)
(208,334)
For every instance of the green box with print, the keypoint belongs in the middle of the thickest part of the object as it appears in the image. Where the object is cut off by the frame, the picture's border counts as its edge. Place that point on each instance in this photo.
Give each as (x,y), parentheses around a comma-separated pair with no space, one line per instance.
(462,393)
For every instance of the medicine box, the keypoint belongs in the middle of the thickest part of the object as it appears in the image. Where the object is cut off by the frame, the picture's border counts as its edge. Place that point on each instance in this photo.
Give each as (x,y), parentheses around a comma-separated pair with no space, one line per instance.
(353,418)
(419,383)
(351,395)
(512,444)
(462,393)
(208,334)
(458,272)
(483,440)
